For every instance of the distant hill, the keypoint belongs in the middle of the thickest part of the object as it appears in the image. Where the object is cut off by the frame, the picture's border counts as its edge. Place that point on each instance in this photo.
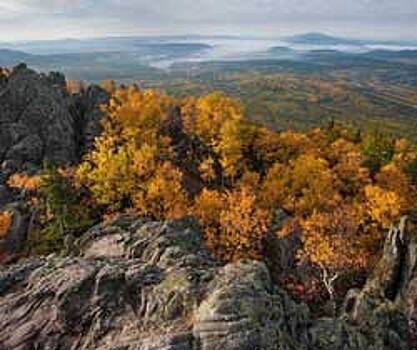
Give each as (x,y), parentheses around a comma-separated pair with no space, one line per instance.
(281,49)
(320,39)
(13,57)
(329,40)
(392,55)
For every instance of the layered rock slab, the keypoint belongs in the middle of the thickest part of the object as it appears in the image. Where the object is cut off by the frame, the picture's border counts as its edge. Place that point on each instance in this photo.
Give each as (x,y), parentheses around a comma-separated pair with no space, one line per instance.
(133,284)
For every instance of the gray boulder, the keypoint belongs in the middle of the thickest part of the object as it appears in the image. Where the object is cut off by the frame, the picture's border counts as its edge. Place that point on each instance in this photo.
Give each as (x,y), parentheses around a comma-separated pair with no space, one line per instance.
(136,284)
(243,310)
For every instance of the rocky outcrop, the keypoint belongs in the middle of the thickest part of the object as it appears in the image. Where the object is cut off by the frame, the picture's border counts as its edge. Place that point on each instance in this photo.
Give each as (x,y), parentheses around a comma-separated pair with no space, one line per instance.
(390,279)
(244,310)
(87,113)
(390,294)
(40,120)
(137,284)
(35,120)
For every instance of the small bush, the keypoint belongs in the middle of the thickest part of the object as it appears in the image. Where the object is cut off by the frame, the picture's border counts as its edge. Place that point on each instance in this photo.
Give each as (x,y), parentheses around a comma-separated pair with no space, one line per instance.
(63,212)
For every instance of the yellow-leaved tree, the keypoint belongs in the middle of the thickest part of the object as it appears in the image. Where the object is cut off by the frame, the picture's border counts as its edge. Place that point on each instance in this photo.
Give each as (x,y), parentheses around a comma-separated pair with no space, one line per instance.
(333,242)
(274,188)
(392,178)
(233,222)
(130,164)
(162,196)
(230,147)
(244,225)
(217,120)
(208,206)
(206,116)
(309,184)
(383,206)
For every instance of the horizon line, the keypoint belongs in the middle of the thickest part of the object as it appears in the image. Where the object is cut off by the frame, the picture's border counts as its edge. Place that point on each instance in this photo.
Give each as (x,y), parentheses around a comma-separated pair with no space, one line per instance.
(253,36)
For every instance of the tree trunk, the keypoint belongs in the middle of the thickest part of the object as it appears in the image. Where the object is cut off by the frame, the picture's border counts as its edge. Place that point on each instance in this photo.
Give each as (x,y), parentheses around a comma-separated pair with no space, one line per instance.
(328,281)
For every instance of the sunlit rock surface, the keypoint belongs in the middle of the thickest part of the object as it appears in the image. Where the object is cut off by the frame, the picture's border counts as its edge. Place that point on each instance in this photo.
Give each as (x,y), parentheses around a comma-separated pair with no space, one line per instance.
(136,284)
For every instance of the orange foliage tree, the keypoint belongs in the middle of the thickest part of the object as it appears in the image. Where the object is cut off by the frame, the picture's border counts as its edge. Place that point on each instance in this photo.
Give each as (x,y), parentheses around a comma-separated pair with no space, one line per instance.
(207,170)
(233,223)
(333,242)
(5,223)
(24,182)
(244,225)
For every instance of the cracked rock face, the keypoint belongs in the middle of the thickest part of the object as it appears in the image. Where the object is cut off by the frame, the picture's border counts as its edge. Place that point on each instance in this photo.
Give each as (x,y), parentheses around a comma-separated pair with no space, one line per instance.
(86,107)
(40,121)
(35,120)
(133,284)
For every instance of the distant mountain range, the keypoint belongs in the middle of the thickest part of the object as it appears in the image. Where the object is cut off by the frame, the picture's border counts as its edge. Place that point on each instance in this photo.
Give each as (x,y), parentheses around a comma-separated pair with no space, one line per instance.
(328,40)
(145,58)
(117,60)
(133,43)
(105,44)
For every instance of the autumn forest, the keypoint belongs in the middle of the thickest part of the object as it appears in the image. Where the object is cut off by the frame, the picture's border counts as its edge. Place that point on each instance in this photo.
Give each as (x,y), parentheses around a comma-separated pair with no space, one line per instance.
(165,158)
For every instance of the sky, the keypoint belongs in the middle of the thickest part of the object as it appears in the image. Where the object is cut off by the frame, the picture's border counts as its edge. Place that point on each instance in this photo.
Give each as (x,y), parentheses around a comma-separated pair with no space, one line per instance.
(52,19)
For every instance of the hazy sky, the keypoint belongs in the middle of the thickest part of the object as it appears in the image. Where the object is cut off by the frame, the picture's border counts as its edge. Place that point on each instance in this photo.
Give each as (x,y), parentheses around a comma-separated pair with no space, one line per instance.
(46,19)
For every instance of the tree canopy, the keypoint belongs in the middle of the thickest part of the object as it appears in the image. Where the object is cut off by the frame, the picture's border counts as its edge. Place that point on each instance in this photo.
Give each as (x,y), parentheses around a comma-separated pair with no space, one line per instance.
(165,158)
